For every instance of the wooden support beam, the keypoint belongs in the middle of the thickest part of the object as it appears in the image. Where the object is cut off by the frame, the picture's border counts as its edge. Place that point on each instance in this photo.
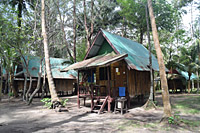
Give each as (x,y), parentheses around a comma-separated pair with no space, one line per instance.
(92,96)
(108,72)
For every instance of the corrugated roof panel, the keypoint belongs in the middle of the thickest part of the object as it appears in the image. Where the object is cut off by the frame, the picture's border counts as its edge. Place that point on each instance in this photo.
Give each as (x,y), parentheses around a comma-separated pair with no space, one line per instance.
(138,55)
(186,76)
(56,66)
(100,60)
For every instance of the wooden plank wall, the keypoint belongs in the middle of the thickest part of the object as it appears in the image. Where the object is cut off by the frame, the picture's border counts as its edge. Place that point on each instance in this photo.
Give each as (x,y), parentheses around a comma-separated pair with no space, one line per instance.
(64,84)
(61,84)
(138,82)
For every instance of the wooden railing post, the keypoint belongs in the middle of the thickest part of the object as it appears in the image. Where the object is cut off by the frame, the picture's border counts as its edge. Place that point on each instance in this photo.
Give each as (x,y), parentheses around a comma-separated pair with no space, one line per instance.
(109,97)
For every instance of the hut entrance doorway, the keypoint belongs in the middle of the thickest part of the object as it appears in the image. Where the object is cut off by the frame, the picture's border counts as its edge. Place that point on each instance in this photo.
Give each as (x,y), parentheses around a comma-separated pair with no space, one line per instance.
(120,77)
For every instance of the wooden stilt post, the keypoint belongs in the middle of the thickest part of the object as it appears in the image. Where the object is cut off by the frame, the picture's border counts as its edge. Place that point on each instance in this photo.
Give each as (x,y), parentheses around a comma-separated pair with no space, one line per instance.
(92,95)
(78,93)
(109,102)
(92,89)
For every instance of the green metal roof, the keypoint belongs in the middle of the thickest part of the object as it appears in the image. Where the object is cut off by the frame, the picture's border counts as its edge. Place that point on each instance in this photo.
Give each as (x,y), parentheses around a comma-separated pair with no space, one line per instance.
(186,76)
(33,65)
(56,66)
(138,55)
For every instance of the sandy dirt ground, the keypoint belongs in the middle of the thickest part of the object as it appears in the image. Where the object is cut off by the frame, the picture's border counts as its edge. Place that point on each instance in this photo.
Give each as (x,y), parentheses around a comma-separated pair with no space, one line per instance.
(16,116)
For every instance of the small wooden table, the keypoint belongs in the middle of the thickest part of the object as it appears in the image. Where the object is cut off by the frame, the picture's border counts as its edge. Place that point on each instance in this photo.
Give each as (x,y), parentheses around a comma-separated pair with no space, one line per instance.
(123,102)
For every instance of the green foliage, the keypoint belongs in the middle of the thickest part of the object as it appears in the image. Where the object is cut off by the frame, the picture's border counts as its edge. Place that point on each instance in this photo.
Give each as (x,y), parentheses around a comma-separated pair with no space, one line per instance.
(189,59)
(47,102)
(10,94)
(134,12)
(171,120)
(81,50)
(63,102)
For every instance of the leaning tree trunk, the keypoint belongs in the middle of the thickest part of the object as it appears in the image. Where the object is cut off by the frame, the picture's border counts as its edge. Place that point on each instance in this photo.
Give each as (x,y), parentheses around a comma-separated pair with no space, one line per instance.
(54,96)
(38,84)
(30,87)
(26,74)
(165,92)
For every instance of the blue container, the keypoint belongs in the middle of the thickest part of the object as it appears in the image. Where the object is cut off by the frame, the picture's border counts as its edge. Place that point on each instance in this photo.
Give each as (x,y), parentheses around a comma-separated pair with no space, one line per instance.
(122,91)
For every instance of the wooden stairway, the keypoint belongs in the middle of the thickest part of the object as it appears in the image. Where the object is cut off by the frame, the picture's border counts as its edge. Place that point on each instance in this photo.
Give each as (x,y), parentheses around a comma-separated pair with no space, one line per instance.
(100,103)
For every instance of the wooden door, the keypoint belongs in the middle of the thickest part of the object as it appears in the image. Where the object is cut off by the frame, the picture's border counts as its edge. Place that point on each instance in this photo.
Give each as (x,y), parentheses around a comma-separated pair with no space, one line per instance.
(120,76)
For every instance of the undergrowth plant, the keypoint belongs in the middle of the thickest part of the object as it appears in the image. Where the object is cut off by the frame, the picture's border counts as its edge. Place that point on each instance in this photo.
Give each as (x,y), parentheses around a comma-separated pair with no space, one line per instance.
(47,102)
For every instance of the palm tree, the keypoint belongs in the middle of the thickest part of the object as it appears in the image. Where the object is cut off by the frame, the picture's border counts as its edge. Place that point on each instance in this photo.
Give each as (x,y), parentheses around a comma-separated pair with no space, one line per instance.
(189,59)
(21,6)
(165,92)
(54,96)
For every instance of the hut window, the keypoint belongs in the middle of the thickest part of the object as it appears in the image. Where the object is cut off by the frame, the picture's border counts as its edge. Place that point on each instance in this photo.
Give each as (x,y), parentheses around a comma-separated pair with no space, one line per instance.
(103,75)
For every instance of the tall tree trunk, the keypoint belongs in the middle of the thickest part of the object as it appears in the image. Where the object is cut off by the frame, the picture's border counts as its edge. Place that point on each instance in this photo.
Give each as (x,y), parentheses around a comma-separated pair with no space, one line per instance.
(85,24)
(165,92)
(44,80)
(189,83)
(7,83)
(197,72)
(198,60)
(150,58)
(14,89)
(54,96)
(74,29)
(124,27)
(141,36)
(19,14)
(92,19)
(25,86)
(63,30)
(151,96)
(1,82)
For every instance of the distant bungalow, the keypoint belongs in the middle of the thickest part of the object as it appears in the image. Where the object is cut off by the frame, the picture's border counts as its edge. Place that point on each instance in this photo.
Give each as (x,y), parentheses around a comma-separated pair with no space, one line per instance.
(63,81)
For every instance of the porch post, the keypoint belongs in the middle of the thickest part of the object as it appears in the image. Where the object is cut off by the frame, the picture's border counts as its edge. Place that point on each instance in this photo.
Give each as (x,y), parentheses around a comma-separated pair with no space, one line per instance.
(109,106)
(78,89)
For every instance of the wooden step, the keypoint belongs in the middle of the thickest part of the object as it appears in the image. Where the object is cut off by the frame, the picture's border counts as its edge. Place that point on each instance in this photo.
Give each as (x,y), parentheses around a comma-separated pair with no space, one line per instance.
(103,105)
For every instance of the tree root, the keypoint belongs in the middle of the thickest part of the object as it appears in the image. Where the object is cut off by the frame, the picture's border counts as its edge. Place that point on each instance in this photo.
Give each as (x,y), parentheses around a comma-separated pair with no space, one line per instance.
(58,107)
(150,104)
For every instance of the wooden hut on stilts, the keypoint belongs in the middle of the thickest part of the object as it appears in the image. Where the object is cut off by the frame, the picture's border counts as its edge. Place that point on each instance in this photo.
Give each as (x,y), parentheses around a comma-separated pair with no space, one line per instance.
(113,62)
